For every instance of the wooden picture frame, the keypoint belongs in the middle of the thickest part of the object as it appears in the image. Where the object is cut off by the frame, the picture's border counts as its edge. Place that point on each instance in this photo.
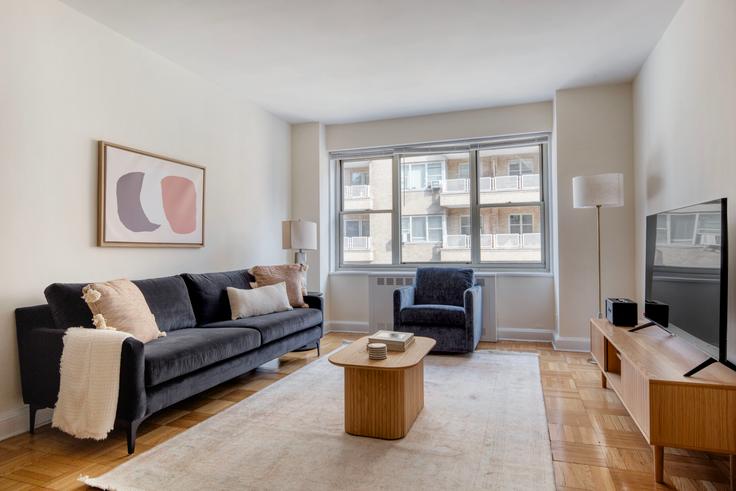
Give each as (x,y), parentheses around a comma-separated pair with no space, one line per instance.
(148,200)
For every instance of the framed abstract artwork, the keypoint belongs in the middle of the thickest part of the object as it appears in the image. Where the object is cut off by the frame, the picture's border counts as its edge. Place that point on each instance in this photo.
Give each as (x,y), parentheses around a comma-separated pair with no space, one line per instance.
(147,200)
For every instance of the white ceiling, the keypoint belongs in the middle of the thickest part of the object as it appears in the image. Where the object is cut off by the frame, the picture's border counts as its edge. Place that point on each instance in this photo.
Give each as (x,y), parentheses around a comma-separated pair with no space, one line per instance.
(340,61)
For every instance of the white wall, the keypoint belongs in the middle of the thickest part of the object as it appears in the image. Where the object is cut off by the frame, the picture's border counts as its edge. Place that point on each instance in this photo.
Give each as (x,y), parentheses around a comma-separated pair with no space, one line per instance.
(67,82)
(593,136)
(685,124)
(478,123)
(348,294)
(310,175)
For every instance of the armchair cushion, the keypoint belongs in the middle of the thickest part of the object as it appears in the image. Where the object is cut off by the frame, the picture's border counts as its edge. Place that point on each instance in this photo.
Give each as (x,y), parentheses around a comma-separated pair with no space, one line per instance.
(442,286)
(433,315)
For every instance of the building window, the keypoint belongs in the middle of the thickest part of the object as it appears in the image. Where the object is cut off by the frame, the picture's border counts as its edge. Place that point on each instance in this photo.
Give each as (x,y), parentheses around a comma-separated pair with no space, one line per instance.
(422,228)
(521,223)
(360,227)
(481,203)
(465,225)
(518,167)
(421,176)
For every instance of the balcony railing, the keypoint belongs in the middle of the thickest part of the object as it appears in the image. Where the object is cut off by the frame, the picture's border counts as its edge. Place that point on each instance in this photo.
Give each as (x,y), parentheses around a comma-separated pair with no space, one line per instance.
(360,191)
(457,242)
(456,186)
(496,241)
(486,241)
(526,182)
(357,243)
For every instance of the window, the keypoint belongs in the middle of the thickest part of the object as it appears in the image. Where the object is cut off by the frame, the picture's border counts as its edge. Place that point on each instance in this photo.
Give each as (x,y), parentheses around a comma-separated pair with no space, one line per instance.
(465,225)
(521,224)
(359,178)
(365,211)
(518,167)
(360,227)
(421,176)
(417,229)
(475,202)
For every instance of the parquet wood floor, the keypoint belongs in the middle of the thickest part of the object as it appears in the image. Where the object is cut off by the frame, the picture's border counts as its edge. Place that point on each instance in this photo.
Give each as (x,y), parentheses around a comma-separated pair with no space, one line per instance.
(595,444)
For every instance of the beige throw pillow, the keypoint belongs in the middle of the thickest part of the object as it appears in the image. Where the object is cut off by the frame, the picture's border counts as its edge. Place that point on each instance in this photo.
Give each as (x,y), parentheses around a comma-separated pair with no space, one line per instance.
(258,301)
(120,305)
(291,274)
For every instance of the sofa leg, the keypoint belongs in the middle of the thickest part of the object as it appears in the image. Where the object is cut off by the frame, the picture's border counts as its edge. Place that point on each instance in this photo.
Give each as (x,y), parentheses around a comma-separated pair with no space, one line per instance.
(32,418)
(131,432)
(318,351)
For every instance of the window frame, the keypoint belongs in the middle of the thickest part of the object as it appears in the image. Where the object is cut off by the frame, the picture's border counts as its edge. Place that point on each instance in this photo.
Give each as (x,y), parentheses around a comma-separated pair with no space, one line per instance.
(473,147)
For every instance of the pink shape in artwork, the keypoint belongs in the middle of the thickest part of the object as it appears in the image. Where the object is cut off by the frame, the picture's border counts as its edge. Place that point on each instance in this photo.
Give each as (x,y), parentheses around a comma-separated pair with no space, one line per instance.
(180,203)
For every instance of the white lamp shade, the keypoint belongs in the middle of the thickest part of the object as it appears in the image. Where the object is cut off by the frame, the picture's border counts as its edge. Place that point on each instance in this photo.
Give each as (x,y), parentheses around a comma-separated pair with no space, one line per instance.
(605,190)
(299,235)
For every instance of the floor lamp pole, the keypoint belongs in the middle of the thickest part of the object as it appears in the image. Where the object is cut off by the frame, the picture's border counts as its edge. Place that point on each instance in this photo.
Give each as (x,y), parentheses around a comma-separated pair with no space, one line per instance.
(598,229)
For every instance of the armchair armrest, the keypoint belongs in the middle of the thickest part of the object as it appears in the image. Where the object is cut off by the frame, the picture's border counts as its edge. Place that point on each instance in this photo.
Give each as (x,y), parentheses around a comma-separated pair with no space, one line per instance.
(403,297)
(473,303)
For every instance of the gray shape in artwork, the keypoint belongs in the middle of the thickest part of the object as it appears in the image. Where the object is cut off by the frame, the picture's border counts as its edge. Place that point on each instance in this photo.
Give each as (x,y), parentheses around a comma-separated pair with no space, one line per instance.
(130,209)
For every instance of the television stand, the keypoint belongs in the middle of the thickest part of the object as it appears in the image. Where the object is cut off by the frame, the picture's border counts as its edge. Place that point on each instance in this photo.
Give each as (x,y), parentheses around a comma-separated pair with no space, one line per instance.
(646,369)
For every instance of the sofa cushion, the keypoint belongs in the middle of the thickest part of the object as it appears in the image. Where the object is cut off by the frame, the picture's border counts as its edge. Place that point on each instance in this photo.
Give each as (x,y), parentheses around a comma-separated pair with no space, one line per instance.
(442,286)
(168,299)
(186,350)
(275,326)
(66,304)
(208,293)
(433,315)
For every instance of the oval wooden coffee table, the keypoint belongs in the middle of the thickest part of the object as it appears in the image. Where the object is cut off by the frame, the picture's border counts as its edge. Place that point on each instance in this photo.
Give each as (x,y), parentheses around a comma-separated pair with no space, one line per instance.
(383,397)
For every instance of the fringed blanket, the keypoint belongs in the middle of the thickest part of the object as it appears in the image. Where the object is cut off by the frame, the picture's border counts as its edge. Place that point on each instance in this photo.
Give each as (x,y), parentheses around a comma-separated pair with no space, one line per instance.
(90,378)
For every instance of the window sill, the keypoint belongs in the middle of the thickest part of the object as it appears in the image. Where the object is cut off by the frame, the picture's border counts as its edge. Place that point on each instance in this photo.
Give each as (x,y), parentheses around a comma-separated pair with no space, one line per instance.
(412,271)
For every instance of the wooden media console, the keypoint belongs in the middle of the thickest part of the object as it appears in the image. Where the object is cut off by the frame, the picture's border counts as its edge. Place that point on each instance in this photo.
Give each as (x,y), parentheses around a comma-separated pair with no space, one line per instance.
(645,369)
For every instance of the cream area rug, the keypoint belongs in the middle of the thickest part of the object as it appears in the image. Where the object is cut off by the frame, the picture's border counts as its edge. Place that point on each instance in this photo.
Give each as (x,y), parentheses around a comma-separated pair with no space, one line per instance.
(483,427)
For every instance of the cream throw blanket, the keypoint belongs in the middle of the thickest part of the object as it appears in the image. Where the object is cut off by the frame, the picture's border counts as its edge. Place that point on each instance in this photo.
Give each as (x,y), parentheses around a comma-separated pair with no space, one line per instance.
(90,378)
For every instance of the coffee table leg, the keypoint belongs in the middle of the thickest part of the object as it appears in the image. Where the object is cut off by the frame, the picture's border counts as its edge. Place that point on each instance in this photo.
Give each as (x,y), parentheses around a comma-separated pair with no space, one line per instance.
(383,403)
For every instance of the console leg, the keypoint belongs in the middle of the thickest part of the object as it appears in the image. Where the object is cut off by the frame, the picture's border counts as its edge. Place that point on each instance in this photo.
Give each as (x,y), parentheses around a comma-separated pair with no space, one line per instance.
(604,381)
(32,418)
(658,463)
(732,468)
(131,432)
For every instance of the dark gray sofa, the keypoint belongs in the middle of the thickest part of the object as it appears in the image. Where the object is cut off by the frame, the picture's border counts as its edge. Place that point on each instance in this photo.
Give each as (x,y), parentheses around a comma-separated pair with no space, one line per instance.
(202,348)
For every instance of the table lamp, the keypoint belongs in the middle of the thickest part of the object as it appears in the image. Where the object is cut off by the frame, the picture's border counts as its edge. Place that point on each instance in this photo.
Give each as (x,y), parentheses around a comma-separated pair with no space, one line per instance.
(299,235)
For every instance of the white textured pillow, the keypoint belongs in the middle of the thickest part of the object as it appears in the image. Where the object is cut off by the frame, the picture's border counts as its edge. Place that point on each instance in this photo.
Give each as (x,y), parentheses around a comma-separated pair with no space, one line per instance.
(258,301)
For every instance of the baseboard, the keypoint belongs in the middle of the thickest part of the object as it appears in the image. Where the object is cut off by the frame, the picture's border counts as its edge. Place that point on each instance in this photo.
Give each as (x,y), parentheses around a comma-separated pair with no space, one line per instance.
(525,334)
(563,343)
(346,326)
(15,421)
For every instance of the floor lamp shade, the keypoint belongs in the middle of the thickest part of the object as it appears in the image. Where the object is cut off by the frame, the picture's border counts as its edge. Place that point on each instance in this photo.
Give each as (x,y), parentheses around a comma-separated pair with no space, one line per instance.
(299,235)
(604,190)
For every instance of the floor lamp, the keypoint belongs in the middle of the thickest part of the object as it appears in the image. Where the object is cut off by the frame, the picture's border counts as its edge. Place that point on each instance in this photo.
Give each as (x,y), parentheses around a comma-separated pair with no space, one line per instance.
(599,191)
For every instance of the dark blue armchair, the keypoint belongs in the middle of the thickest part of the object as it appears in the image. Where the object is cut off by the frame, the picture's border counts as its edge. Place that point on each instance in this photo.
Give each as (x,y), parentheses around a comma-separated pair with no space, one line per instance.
(444,304)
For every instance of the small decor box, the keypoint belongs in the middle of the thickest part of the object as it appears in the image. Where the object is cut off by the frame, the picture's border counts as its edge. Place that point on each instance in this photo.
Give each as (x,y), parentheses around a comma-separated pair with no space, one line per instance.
(394,340)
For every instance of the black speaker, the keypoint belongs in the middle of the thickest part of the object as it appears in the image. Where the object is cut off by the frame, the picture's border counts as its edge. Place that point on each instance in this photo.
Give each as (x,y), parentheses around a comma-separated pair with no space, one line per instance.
(622,312)
(657,312)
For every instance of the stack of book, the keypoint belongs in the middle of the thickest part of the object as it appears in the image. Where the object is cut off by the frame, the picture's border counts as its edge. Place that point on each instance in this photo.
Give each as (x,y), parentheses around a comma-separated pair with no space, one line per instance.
(394,340)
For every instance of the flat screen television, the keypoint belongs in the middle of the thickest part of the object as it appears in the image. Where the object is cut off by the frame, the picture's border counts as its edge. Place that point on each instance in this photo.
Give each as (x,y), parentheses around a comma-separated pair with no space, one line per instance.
(686,269)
